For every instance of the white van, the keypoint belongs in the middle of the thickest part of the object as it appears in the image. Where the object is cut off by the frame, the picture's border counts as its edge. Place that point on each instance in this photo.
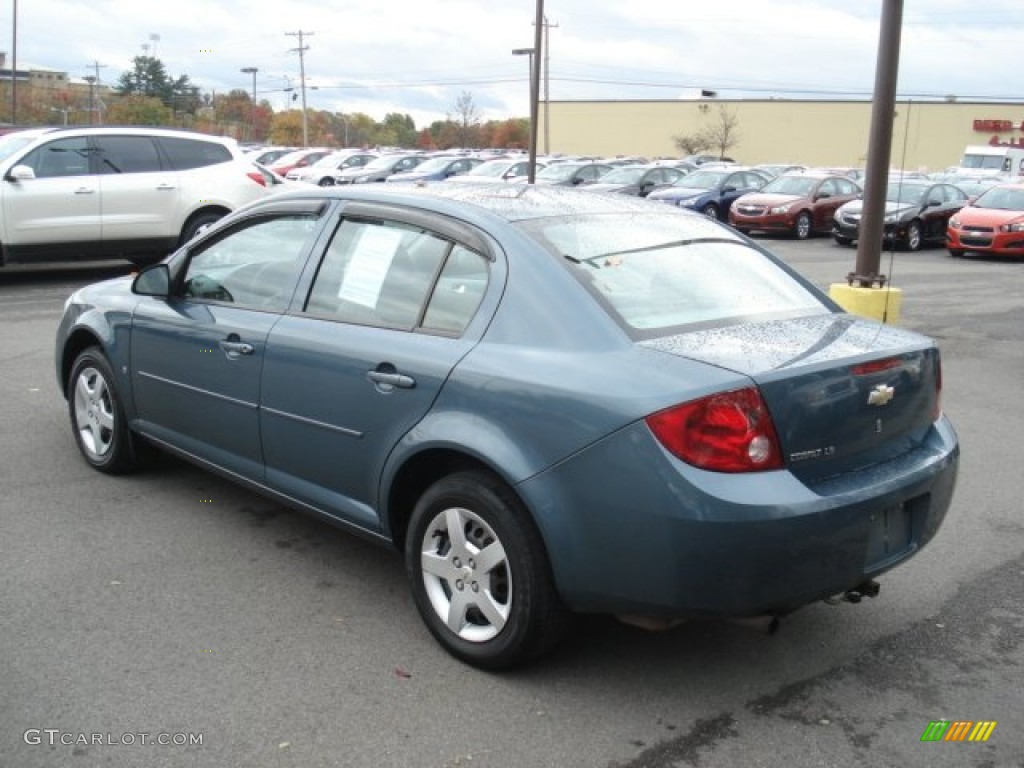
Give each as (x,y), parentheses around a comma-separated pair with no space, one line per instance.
(992,160)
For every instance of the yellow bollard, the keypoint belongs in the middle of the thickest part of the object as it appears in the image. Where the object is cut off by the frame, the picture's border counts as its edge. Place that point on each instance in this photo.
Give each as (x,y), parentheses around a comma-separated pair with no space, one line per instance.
(882,304)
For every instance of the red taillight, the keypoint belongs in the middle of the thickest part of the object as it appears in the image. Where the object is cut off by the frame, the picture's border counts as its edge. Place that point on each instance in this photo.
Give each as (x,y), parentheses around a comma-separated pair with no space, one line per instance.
(727,432)
(876,366)
(257,177)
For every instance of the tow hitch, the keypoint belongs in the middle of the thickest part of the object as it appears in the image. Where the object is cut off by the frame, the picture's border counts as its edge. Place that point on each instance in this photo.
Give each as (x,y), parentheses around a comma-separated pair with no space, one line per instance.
(867,589)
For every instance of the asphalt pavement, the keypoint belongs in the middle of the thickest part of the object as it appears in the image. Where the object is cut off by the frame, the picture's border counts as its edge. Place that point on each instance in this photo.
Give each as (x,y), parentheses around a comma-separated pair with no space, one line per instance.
(172,606)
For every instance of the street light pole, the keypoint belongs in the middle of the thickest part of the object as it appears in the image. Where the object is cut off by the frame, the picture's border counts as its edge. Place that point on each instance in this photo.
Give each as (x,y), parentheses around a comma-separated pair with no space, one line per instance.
(252,109)
(533,116)
(538,50)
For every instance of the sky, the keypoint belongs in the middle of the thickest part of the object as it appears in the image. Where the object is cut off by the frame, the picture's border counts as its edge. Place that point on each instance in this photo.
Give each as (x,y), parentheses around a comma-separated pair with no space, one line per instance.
(417,56)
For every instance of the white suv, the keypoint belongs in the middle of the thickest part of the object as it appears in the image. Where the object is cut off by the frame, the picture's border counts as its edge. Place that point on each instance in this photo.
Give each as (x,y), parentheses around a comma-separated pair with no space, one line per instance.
(100,193)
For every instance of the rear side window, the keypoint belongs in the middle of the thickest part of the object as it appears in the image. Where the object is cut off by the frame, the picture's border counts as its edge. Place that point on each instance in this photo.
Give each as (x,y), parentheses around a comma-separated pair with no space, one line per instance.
(127,154)
(395,275)
(184,154)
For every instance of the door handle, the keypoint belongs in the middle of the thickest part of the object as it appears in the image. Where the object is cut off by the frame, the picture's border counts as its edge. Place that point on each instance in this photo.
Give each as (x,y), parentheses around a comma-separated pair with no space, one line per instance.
(388,380)
(234,349)
(85,191)
(165,187)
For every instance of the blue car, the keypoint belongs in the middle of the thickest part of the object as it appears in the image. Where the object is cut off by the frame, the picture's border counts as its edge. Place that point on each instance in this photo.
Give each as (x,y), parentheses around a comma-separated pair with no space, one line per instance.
(712,191)
(437,169)
(549,401)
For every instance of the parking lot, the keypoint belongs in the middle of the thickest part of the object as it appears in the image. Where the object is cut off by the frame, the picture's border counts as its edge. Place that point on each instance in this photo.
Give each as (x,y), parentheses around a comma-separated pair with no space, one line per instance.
(175,604)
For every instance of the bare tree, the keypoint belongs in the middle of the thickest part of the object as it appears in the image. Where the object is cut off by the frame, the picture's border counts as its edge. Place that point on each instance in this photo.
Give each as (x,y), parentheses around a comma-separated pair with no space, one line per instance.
(691,144)
(723,133)
(720,135)
(466,118)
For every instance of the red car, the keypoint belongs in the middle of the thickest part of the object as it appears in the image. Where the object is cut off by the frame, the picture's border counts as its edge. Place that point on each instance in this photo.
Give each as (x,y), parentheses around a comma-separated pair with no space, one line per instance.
(992,224)
(800,203)
(300,158)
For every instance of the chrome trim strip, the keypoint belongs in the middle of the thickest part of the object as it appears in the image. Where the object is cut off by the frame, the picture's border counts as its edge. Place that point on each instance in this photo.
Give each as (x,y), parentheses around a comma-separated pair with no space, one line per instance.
(313,422)
(190,388)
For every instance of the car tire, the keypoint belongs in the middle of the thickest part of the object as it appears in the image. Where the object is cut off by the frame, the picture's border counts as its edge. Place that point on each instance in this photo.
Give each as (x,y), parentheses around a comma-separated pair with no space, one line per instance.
(912,240)
(802,226)
(326,181)
(486,594)
(710,210)
(840,240)
(97,416)
(196,224)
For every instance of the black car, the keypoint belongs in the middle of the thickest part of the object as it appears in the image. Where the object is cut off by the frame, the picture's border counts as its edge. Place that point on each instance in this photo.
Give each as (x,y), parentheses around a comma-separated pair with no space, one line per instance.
(916,212)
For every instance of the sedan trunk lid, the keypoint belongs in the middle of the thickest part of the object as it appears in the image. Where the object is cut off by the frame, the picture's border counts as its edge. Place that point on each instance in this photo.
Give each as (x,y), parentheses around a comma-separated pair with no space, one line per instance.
(844,393)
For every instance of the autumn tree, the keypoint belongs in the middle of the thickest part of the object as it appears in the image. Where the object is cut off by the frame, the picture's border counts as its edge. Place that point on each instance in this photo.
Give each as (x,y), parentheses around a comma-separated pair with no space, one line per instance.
(139,110)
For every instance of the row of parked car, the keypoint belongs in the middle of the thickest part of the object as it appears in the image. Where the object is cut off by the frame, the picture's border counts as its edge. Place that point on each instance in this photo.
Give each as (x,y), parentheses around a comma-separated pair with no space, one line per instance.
(957,211)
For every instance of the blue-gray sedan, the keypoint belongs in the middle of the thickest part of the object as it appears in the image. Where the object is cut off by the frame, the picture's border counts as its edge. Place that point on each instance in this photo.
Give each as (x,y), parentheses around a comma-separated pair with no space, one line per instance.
(550,401)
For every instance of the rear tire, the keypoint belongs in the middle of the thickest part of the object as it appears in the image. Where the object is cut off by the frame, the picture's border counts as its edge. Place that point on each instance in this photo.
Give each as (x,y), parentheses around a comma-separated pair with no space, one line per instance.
(326,181)
(196,224)
(479,573)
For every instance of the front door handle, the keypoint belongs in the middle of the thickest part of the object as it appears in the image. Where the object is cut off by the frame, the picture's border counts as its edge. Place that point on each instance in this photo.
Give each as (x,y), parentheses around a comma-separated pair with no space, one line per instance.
(234,348)
(389,380)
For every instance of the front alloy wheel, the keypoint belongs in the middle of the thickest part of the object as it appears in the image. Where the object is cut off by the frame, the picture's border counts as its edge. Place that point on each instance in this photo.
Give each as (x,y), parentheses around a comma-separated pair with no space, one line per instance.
(913,238)
(97,417)
(802,228)
(479,573)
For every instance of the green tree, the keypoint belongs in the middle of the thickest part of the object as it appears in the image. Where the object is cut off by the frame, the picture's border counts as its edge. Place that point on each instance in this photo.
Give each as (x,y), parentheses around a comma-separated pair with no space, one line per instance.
(402,129)
(148,77)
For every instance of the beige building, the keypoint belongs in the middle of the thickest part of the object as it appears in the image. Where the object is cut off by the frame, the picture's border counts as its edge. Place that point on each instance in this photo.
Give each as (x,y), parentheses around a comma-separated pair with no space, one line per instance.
(926,135)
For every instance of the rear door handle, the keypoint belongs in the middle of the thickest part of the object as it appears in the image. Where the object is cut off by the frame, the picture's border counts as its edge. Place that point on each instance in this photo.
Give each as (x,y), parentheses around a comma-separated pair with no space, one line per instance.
(85,191)
(165,187)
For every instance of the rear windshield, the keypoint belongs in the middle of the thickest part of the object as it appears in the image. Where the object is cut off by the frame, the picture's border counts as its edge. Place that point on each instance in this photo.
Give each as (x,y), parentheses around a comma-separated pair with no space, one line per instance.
(654,272)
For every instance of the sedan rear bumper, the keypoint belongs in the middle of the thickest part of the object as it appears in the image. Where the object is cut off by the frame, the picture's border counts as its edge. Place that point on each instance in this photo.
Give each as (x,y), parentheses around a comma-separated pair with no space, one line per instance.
(678,541)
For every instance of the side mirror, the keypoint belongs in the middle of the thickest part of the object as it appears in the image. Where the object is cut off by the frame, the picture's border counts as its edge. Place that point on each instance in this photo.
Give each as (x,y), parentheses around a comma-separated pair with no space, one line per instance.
(933,202)
(21,173)
(154,280)
(823,196)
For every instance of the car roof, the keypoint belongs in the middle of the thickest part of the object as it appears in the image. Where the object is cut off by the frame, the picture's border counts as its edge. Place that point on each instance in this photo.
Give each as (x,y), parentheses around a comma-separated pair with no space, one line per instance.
(511,202)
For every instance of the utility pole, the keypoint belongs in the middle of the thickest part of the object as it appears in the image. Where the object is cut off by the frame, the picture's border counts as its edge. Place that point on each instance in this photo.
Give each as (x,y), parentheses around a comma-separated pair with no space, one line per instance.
(547,74)
(252,107)
(94,82)
(91,80)
(302,80)
(14,65)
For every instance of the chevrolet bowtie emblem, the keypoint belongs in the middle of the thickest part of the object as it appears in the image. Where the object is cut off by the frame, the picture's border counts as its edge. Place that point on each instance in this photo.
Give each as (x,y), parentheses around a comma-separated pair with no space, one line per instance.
(881,394)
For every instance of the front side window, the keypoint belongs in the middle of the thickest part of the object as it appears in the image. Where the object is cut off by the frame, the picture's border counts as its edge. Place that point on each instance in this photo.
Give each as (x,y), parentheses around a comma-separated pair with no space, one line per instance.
(63,157)
(254,265)
(395,275)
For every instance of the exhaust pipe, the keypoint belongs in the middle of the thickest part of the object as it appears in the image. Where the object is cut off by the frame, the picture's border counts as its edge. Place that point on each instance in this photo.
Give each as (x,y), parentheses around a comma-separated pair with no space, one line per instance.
(869,588)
